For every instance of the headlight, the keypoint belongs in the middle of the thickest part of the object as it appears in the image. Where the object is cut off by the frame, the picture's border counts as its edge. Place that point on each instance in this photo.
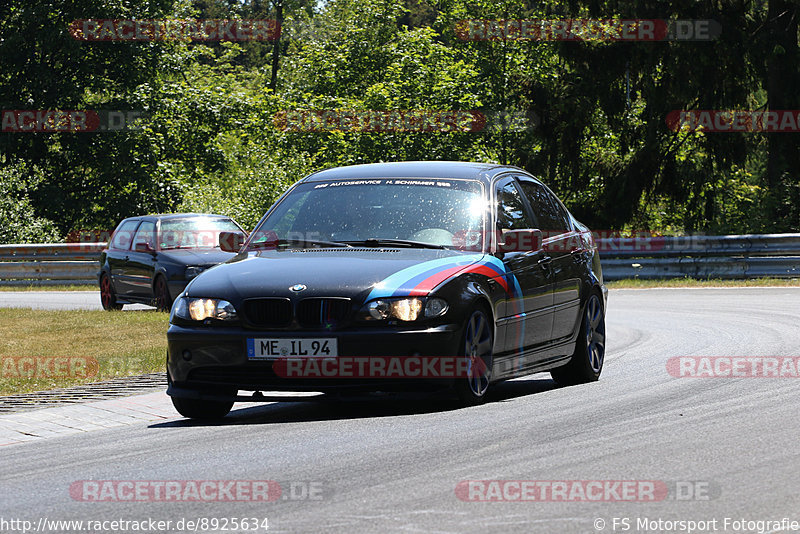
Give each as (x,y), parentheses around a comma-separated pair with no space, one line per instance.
(198,309)
(408,309)
(193,271)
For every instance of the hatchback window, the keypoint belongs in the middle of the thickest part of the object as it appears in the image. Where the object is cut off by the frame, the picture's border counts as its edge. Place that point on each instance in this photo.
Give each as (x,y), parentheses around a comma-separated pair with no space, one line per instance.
(123,236)
(194,232)
(145,234)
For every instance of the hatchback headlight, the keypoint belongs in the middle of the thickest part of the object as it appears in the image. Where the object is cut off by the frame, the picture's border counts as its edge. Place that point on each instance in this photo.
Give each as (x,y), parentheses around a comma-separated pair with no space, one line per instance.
(404,309)
(200,309)
(192,271)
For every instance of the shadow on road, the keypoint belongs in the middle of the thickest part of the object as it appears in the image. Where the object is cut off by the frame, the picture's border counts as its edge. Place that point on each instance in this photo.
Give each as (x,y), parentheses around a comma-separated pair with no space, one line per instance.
(363,406)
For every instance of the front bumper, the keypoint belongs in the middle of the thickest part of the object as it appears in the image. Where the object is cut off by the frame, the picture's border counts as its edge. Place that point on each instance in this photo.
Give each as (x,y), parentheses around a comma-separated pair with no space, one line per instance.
(212,363)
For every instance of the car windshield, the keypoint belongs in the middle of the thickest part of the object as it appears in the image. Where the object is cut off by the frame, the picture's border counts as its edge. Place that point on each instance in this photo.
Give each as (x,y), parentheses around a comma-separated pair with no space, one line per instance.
(418,212)
(194,232)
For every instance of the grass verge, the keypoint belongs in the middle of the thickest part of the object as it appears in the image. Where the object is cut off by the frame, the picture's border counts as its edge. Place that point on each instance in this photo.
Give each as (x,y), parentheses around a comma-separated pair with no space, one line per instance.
(66,287)
(635,283)
(46,349)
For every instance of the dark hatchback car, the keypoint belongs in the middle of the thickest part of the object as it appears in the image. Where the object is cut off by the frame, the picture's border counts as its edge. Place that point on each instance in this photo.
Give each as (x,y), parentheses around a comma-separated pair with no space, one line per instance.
(150,259)
(409,261)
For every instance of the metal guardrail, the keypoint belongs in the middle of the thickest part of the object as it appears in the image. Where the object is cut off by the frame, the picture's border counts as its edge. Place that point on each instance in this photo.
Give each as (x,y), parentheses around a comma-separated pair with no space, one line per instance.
(57,251)
(696,256)
(701,256)
(700,245)
(50,264)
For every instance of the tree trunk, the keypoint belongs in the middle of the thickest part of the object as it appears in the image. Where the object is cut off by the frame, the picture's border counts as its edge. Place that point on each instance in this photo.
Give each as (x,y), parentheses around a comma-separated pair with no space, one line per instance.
(783,161)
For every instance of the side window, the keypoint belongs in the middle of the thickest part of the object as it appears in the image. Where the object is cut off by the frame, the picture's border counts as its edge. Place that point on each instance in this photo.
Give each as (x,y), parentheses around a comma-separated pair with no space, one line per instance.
(123,235)
(145,234)
(511,214)
(546,208)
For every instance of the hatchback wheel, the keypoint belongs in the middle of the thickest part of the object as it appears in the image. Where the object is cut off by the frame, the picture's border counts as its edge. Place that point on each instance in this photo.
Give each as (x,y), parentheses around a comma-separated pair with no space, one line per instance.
(163,300)
(107,297)
(476,347)
(587,360)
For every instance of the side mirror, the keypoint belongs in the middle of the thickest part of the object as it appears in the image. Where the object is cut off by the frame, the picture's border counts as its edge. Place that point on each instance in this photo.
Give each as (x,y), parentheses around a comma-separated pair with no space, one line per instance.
(143,247)
(526,240)
(231,241)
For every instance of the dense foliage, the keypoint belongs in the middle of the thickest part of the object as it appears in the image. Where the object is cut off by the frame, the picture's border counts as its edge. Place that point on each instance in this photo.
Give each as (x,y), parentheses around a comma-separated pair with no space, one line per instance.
(592,113)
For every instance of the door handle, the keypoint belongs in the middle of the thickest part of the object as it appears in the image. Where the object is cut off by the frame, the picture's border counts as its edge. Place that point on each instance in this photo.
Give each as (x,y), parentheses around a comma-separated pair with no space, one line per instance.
(545,262)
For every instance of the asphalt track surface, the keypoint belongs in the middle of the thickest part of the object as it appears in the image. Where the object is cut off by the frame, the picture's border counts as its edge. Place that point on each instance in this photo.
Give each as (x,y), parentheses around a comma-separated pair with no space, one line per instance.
(57,300)
(392,465)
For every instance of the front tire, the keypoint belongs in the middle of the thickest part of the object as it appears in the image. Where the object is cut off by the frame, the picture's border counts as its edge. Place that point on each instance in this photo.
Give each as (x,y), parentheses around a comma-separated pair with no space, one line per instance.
(476,347)
(163,299)
(587,360)
(202,409)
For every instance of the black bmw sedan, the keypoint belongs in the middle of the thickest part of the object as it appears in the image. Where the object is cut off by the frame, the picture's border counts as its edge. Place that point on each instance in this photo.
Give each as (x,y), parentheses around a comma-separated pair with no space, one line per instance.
(151,258)
(393,276)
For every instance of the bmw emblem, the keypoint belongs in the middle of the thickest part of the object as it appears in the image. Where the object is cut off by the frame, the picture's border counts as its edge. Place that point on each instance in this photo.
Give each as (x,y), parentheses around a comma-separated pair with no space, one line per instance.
(298,287)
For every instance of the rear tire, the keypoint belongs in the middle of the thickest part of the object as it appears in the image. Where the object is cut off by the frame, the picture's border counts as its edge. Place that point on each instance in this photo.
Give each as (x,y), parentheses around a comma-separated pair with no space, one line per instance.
(202,409)
(476,347)
(107,296)
(587,360)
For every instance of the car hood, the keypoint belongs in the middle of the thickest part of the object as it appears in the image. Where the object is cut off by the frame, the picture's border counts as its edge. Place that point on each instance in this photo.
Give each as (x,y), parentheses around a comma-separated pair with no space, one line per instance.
(198,256)
(357,273)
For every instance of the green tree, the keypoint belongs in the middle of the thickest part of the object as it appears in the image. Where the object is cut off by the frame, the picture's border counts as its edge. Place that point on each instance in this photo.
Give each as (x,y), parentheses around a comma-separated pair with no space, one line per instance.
(18,220)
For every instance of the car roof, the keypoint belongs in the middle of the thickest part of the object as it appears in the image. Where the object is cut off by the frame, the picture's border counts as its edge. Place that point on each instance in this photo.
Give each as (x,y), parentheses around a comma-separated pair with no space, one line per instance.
(163,216)
(414,169)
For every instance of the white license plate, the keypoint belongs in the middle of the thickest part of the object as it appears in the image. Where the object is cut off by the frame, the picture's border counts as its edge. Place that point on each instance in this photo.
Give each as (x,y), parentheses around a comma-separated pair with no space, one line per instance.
(307,347)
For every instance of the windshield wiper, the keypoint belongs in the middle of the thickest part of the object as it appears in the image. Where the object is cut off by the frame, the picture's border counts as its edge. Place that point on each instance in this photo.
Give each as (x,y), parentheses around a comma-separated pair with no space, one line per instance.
(302,242)
(374,242)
